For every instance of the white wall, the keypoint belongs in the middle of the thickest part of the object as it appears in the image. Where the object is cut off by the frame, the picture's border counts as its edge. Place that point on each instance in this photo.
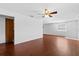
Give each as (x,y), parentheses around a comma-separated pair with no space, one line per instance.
(26,29)
(78,29)
(72,29)
(68,29)
(55,29)
(2,29)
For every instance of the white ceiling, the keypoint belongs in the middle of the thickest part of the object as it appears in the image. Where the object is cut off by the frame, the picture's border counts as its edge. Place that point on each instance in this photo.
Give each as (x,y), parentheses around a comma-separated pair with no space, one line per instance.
(65,10)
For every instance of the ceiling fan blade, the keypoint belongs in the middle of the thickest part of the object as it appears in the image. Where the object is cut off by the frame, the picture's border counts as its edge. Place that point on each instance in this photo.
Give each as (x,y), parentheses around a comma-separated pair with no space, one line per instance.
(55,12)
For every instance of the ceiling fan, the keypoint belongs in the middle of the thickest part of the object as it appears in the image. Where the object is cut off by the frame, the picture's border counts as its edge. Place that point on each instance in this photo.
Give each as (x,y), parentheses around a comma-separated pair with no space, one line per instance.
(43,14)
(49,13)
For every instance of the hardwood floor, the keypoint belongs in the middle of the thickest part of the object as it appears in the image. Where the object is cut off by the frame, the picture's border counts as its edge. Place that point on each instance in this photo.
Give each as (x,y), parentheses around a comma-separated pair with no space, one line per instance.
(50,45)
(57,45)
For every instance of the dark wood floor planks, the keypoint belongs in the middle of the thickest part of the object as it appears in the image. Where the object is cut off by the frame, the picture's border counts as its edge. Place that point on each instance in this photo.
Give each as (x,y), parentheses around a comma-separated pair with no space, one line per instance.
(49,45)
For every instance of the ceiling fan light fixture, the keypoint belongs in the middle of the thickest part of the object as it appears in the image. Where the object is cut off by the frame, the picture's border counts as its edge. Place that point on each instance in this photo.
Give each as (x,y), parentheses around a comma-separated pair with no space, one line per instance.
(48,13)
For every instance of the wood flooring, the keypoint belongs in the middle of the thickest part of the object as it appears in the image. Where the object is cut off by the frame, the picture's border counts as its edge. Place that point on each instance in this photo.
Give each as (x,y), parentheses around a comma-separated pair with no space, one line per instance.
(49,45)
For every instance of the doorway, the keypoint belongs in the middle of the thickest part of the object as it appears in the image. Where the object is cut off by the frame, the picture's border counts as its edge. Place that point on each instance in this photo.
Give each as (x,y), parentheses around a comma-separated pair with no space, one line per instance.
(9,29)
